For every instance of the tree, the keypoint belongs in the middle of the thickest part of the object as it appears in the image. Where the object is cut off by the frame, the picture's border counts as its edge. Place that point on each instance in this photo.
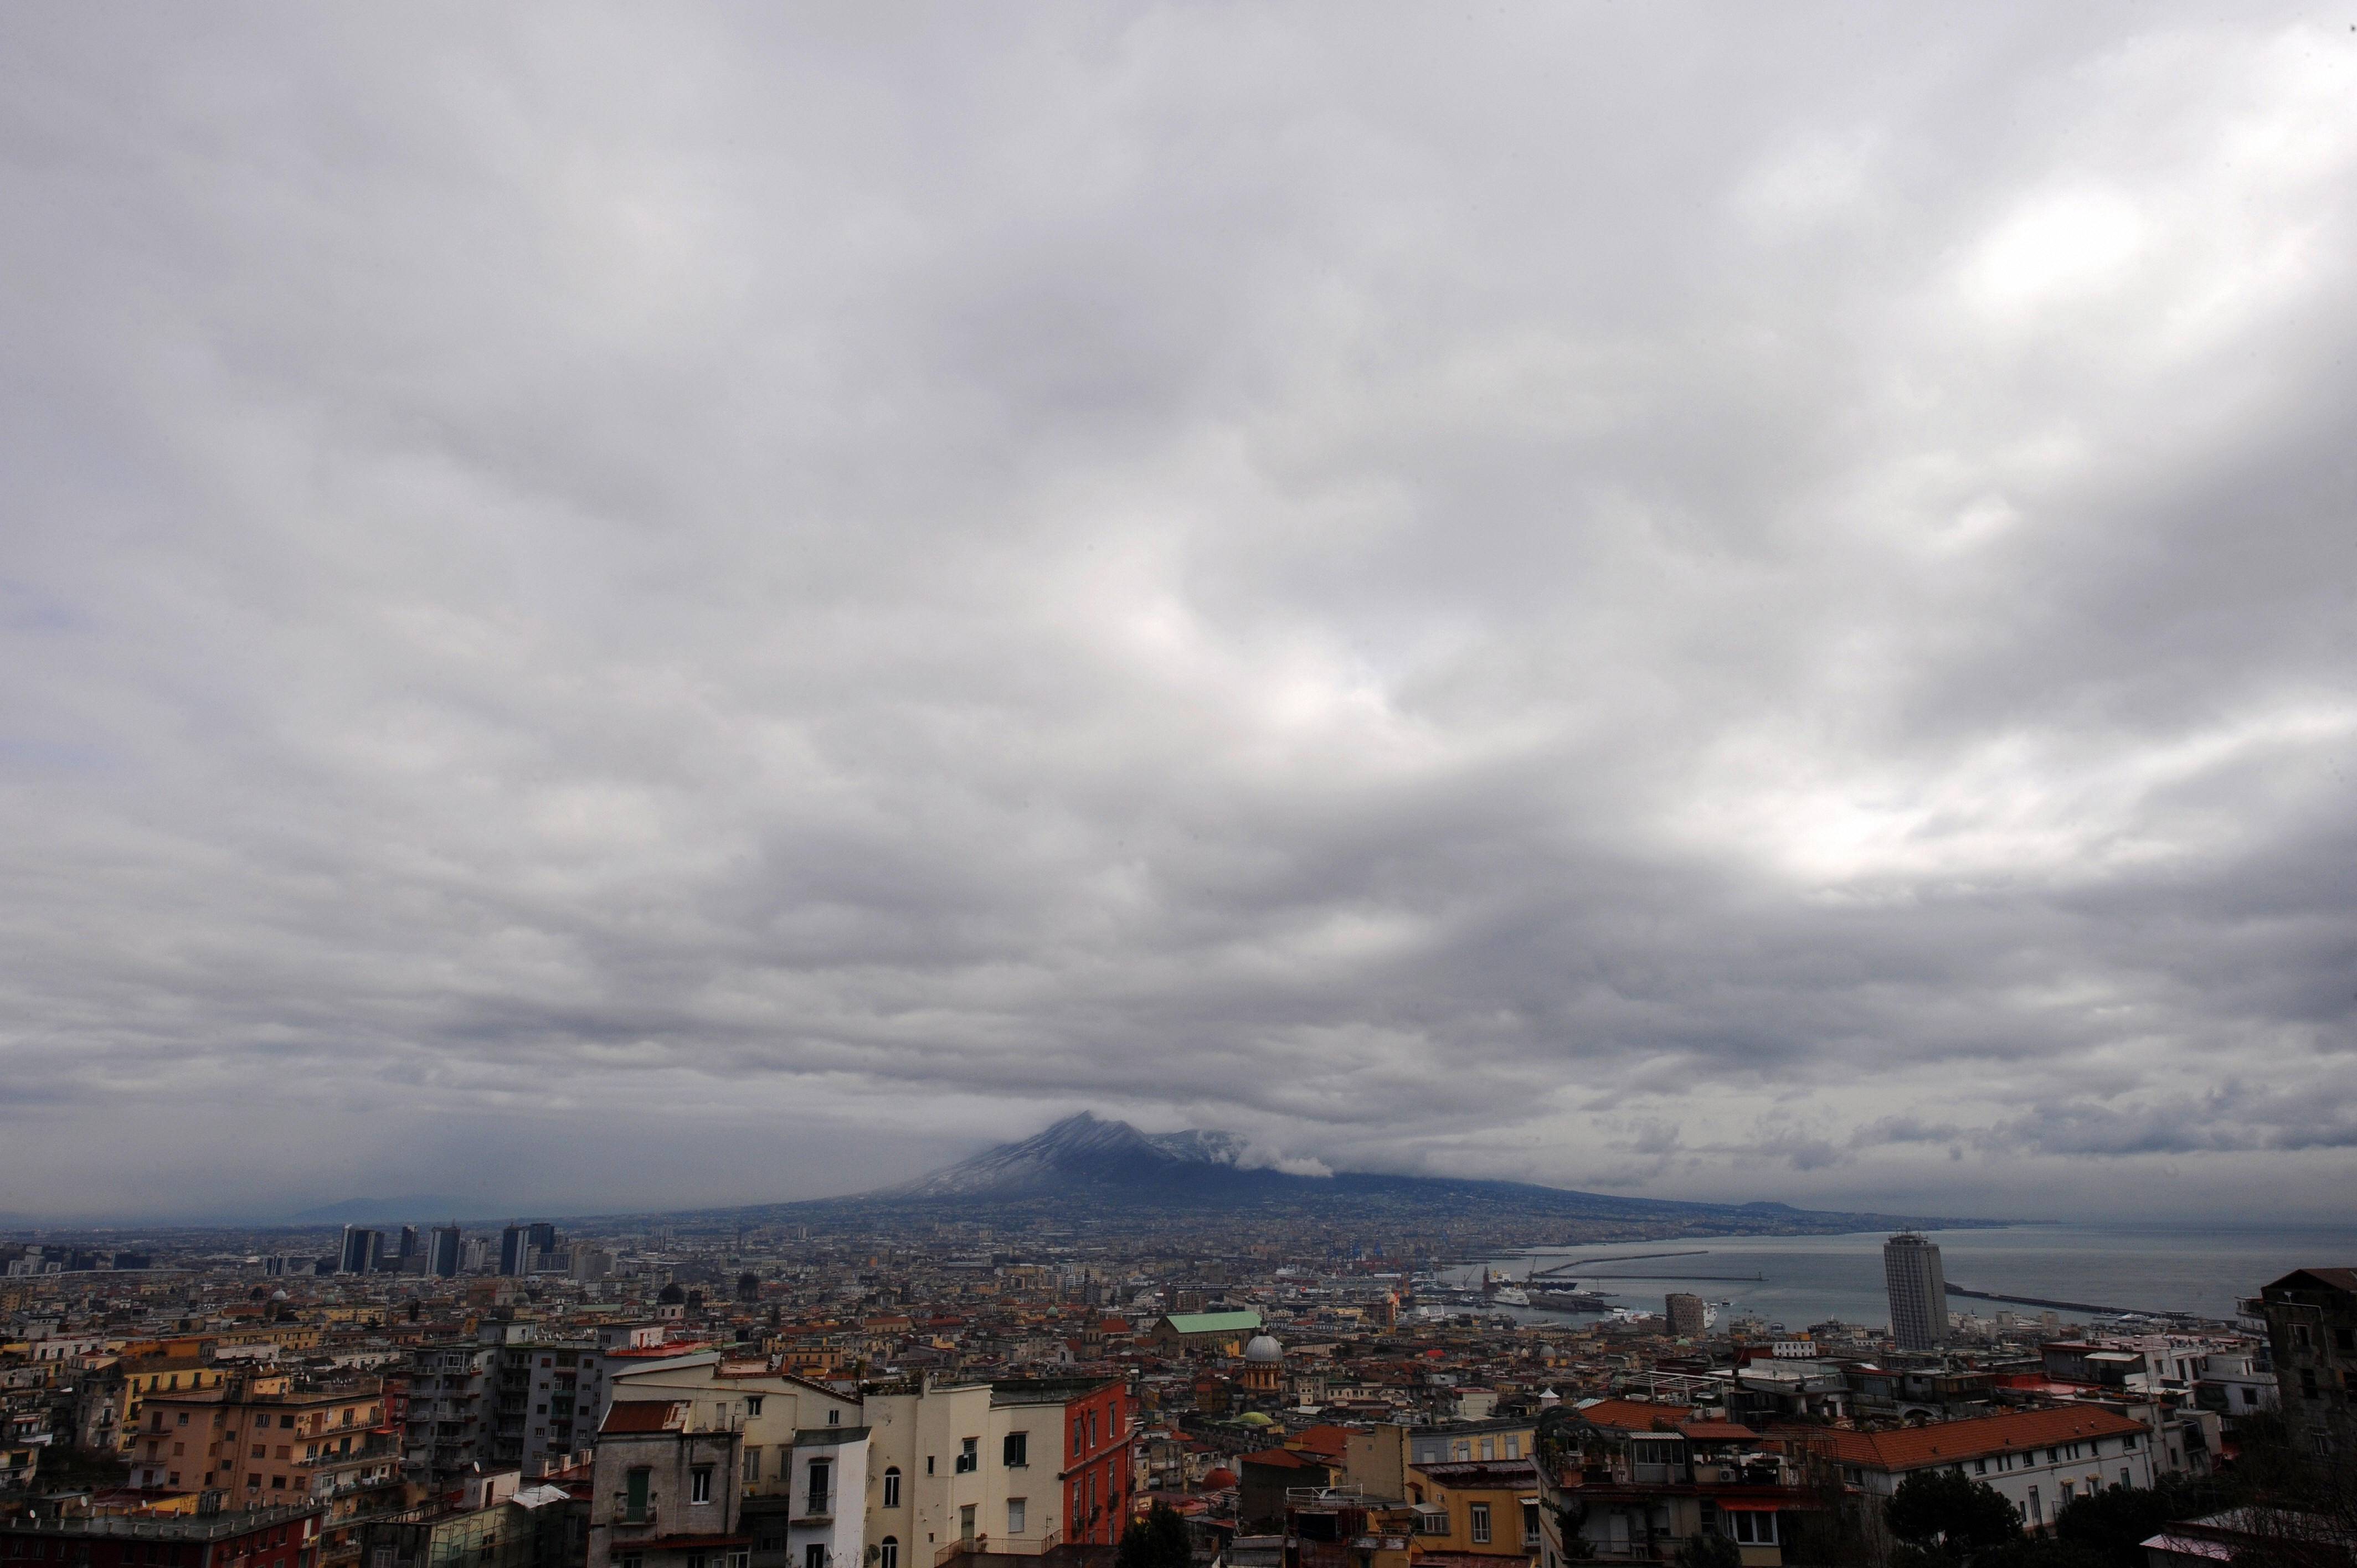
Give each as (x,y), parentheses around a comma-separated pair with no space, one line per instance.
(1943,1507)
(1709,1550)
(2115,1524)
(1160,1540)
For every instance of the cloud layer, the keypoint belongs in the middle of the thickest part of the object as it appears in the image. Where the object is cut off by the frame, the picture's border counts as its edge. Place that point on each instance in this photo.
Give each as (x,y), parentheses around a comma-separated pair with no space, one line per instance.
(614,608)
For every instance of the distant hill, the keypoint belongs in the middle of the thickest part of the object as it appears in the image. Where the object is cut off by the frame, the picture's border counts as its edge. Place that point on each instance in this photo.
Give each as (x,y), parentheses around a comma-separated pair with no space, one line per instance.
(1088,1161)
(416,1210)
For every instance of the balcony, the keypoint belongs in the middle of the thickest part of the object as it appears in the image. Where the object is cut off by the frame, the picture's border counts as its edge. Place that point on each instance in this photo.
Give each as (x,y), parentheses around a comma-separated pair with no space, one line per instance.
(815,1507)
(640,1517)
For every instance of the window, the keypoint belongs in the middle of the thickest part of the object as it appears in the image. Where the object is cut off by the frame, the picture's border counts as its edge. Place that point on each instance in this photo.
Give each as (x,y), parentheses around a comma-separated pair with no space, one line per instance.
(1077,1433)
(814,1555)
(1461,1452)
(2128,1443)
(929,1464)
(969,1458)
(260,1452)
(2037,1509)
(1015,1453)
(753,1404)
(699,1484)
(819,1489)
(1980,1466)
(1092,1429)
(752,1465)
(2124,1482)
(1750,1529)
(1489,1448)
(888,1552)
(1015,1512)
(1513,1447)
(634,1495)
(892,1488)
(834,1418)
(2307,1385)
(1478,1515)
(965,1522)
(2070,1490)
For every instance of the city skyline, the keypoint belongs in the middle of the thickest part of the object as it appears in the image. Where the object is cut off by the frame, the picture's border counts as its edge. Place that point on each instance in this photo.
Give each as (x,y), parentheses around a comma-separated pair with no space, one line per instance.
(630,610)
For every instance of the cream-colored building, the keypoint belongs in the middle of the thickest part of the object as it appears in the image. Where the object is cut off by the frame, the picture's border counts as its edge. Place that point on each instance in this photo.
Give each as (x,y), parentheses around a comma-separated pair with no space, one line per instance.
(1016,1468)
(803,1471)
(910,1479)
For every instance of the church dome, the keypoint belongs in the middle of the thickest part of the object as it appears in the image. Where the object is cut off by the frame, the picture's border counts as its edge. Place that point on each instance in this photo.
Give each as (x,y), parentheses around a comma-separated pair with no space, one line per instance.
(1263,1350)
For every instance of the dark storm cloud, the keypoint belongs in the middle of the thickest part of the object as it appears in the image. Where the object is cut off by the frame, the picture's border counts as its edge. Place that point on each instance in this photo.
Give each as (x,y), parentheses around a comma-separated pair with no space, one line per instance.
(638,608)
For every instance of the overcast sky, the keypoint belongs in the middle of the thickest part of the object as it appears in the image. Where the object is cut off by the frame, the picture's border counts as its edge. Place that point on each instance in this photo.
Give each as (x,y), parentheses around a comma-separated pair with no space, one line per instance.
(660,605)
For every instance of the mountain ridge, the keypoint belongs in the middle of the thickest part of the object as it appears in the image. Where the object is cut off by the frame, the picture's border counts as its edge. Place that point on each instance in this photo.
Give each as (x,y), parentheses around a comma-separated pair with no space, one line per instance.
(1087,1158)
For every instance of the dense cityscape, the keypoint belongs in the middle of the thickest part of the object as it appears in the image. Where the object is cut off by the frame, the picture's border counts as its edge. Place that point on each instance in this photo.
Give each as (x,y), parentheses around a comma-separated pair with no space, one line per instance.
(974,1387)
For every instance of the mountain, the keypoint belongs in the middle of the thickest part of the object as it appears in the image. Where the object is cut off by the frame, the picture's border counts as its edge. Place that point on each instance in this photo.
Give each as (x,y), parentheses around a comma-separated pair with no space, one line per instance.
(413,1210)
(1085,1150)
(1086,1157)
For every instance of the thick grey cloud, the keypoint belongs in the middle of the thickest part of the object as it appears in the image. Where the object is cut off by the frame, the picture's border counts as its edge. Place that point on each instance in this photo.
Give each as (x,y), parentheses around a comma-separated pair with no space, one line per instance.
(609,606)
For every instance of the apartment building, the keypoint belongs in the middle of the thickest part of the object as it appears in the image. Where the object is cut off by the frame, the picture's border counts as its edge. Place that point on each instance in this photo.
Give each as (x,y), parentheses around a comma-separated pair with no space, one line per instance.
(2311,1317)
(1640,1482)
(264,1442)
(2039,1459)
(448,1426)
(1483,1511)
(667,1487)
(548,1396)
(803,1472)
(142,1377)
(277,1537)
(1017,1466)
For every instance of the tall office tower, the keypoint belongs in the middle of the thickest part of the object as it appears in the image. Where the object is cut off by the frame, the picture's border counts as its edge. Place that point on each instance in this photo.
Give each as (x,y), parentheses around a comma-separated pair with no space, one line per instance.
(511,1250)
(1685,1315)
(1919,1291)
(442,1256)
(408,1245)
(542,1235)
(363,1250)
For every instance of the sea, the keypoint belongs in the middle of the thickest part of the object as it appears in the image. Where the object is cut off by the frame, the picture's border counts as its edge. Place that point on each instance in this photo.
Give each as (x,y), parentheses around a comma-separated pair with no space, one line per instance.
(1797,1281)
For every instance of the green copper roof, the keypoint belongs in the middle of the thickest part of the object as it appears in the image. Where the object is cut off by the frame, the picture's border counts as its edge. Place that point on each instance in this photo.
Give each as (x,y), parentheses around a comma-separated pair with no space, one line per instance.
(1213,1322)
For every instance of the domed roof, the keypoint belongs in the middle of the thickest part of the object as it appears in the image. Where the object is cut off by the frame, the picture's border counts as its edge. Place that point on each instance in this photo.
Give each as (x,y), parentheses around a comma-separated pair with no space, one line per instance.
(1263,1349)
(1256,1418)
(1219,1479)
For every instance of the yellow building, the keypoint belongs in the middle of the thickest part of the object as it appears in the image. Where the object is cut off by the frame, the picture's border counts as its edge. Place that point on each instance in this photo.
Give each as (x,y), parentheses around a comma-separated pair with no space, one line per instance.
(1473,1509)
(158,1375)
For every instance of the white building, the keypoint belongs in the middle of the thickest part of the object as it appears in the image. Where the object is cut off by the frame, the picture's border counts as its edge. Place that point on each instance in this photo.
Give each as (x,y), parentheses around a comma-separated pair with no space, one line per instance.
(2039,1459)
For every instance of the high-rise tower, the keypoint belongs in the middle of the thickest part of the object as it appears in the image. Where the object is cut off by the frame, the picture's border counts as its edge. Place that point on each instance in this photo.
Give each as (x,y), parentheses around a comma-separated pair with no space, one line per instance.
(1919,1291)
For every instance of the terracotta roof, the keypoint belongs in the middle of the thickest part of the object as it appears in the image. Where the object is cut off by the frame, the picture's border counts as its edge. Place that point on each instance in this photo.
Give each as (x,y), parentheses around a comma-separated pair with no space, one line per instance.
(644,1415)
(1716,1431)
(1281,1458)
(1946,1442)
(1632,1415)
(1329,1440)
